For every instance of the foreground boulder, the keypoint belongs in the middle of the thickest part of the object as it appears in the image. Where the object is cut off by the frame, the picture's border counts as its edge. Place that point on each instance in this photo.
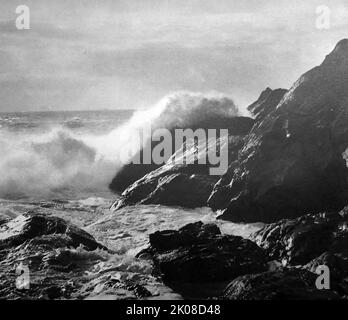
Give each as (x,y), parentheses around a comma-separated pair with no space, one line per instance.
(282,284)
(198,253)
(298,241)
(30,226)
(292,161)
(55,254)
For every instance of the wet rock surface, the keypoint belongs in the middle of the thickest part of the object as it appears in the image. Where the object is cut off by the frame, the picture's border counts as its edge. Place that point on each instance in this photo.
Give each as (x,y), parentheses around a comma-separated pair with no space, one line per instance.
(52,253)
(33,226)
(183,180)
(197,261)
(282,284)
(172,188)
(133,171)
(292,160)
(45,257)
(336,262)
(298,241)
(200,253)
(280,263)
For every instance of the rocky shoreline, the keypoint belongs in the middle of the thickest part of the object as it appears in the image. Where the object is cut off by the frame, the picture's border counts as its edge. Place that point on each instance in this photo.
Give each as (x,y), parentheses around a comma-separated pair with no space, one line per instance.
(287,168)
(278,262)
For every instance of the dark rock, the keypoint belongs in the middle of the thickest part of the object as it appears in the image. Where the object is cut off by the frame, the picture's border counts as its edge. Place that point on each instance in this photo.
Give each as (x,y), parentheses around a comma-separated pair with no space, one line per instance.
(291,162)
(175,189)
(283,284)
(51,241)
(178,184)
(225,257)
(131,172)
(30,226)
(3,219)
(139,290)
(336,262)
(55,252)
(266,103)
(298,241)
(205,255)
(53,292)
(193,233)
(338,268)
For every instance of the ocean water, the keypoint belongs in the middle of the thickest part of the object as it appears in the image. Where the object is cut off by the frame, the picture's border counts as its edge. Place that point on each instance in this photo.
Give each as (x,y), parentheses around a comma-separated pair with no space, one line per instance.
(54,154)
(61,163)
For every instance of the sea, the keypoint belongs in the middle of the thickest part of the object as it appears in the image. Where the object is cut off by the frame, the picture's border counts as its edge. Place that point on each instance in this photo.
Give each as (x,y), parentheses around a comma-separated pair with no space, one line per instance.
(61,164)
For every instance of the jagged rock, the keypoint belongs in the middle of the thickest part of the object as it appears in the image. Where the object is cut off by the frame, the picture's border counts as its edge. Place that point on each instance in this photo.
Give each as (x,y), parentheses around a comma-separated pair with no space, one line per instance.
(282,284)
(175,183)
(266,103)
(199,253)
(170,188)
(131,172)
(184,184)
(292,163)
(298,241)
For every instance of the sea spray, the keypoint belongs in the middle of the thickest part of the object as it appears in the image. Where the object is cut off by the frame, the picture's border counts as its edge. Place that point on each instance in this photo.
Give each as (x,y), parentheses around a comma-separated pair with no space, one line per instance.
(67,161)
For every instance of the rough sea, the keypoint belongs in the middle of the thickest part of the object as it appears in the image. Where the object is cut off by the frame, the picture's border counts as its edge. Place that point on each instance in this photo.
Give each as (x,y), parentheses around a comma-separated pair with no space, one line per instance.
(61,163)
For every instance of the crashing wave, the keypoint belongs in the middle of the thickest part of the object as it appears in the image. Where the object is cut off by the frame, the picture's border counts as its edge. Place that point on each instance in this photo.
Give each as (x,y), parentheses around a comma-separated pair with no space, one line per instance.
(63,161)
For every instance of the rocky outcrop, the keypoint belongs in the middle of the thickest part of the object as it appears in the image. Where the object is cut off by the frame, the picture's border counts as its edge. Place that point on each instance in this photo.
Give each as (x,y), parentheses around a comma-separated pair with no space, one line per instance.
(169,186)
(282,284)
(198,253)
(131,172)
(298,241)
(266,103)
(34,226)
(181,182)
(291,163)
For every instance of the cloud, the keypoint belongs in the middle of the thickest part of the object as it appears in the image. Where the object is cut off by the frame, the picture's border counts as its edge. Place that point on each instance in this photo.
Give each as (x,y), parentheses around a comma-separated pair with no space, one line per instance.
(130,53)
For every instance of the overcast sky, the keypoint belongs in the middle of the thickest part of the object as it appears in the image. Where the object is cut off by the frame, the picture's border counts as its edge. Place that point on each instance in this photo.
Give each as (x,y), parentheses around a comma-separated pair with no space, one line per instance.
(96,54)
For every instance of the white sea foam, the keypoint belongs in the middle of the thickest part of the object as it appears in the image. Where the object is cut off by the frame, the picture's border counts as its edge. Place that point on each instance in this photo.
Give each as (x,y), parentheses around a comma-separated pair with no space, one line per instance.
(65,161)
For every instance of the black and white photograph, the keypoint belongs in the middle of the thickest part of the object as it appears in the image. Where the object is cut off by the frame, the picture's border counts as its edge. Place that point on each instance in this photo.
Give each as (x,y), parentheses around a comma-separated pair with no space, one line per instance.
(177,150)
